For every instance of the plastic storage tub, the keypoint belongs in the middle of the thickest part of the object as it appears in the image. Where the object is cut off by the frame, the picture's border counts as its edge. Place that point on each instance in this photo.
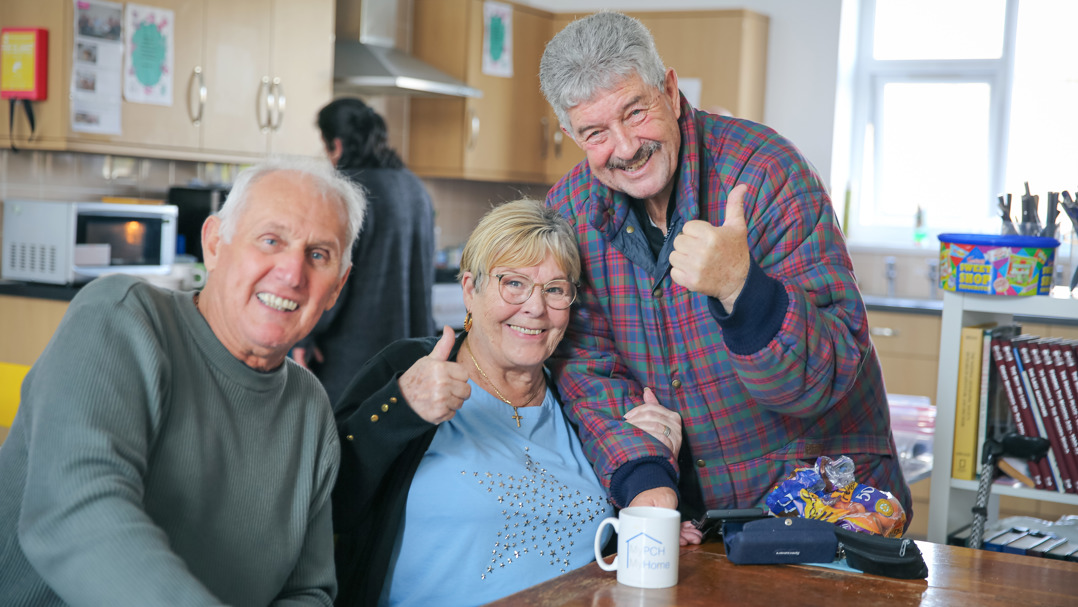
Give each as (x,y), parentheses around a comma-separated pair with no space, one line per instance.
(997,265)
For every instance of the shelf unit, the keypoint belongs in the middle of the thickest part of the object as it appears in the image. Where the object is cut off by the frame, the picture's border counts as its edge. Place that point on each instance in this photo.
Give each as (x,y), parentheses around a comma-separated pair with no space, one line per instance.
(950,500)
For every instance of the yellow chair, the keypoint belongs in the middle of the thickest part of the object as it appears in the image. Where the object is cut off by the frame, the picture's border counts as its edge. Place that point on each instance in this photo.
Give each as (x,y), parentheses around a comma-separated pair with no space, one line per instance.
(10,381)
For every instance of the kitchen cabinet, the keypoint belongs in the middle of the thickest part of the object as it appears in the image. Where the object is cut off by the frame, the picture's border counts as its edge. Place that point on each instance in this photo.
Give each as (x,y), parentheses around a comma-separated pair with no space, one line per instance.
(248,79)
(511,134)
(907,345)
(951,499)
(726,50)
(26,326)
(268,70)
(498,137)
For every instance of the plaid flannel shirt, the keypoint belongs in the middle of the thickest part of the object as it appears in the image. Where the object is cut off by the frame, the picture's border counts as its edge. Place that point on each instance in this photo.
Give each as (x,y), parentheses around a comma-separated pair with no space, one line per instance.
(790,375)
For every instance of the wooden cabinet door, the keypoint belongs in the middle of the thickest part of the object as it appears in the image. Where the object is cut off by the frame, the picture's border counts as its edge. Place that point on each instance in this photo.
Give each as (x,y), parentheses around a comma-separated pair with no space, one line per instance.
(26,326)
(302,63)
(725,49)
(908,348)
(563,153)
(238,77)
(498,137)
(437,130)
(169,127)
(509,142)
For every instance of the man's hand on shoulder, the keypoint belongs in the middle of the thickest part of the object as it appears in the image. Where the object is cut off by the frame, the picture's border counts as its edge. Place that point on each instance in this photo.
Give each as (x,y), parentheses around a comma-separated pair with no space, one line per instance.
(714,260)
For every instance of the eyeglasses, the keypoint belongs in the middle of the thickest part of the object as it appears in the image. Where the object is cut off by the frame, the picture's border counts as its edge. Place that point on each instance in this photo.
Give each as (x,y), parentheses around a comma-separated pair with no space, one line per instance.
(516,289)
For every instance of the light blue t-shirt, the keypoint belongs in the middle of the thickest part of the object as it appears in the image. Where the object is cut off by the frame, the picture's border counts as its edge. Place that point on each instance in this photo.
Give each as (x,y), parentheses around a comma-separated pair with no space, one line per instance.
(494,509)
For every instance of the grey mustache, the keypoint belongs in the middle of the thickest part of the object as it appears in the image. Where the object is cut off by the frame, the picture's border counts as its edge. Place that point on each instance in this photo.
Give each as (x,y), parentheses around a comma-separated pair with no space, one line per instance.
(647,149)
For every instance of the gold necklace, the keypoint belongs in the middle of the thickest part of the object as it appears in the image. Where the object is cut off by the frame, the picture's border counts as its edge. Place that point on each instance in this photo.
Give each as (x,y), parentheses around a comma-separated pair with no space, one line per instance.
(516,412)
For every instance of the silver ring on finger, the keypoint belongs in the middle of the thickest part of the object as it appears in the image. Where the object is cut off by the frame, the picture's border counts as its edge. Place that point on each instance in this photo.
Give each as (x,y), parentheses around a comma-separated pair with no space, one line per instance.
(666,430)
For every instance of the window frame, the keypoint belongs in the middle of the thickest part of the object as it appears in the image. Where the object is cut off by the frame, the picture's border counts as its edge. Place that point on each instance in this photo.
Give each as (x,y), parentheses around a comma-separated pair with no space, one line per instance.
(871,75)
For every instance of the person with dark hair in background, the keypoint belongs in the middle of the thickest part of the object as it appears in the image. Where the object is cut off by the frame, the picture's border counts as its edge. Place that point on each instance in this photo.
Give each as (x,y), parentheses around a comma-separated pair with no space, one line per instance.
(388,294)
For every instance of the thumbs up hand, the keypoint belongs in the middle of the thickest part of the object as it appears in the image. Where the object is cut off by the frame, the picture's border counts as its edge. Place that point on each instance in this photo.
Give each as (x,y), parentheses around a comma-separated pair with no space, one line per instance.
(714,260)
(434,386)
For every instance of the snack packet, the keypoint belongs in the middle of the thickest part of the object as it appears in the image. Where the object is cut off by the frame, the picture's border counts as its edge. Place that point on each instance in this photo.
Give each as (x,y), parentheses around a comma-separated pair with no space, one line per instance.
(829,492)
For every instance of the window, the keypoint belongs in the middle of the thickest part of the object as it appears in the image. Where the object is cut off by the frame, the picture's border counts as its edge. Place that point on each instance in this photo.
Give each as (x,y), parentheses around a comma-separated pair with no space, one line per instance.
(955,103)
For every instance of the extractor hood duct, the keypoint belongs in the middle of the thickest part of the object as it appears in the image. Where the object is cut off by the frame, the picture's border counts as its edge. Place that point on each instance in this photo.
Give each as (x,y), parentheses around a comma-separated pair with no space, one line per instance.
(373,66)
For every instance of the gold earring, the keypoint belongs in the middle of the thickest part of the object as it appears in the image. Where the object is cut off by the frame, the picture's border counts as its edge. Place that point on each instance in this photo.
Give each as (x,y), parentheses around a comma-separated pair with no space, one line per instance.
(468,322)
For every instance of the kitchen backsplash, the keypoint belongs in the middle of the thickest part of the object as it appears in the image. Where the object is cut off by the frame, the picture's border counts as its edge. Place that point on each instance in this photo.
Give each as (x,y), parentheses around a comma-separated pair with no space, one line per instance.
(87,177)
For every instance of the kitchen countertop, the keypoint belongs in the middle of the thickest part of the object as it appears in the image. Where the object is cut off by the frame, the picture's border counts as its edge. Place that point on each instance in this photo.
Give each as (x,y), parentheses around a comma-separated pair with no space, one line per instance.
(38,290)
(903,304)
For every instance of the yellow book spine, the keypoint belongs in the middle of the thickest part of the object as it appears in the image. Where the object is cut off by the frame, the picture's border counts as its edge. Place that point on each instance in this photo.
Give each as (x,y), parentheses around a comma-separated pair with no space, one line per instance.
(967,403)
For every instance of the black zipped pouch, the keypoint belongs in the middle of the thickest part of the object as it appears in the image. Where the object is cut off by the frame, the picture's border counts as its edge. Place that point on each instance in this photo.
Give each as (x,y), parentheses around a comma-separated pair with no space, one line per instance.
(887,556)
(789,540)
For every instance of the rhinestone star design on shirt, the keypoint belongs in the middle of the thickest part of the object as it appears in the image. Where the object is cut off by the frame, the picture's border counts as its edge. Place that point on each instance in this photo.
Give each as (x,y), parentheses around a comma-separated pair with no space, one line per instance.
(542,516)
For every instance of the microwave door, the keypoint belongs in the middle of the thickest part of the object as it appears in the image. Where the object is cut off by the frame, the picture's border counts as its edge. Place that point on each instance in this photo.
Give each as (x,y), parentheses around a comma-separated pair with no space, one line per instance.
(131,242)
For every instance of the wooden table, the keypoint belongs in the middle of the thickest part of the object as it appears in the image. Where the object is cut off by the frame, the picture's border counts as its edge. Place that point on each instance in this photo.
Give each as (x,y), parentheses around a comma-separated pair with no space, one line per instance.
(956,576)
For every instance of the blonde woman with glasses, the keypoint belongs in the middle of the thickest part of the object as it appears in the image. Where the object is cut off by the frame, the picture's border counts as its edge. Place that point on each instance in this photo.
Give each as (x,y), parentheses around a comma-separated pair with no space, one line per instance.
(461,479)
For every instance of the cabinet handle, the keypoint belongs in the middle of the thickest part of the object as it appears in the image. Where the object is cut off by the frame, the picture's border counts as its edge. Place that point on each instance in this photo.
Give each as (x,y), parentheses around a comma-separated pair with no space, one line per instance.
(883,332)
(196,74)
(263,103)
(277,92)
(544,128)
(558,138)
(473,135)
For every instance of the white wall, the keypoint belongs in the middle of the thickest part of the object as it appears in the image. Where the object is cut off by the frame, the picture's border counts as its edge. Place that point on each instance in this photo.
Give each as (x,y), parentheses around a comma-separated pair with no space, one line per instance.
(802,63)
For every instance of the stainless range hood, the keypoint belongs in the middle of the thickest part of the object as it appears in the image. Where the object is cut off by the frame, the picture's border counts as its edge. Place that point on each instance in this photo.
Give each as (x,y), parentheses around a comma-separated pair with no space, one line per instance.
(373,66)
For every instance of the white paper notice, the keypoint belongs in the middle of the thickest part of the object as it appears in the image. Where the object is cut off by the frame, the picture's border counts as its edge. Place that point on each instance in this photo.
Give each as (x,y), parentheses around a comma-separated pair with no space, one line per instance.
(148,59)
(98,65)
(498,39)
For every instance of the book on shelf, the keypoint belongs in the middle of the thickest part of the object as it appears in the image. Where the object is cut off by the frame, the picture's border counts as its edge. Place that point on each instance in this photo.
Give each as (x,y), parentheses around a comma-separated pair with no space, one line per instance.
(1065,392)
(967,402)
(1043,420)
(1003,358)
(995,415)
(1061,428)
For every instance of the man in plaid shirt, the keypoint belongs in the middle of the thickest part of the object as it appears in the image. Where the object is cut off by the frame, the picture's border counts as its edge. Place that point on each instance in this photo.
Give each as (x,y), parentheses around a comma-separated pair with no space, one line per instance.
(715,274)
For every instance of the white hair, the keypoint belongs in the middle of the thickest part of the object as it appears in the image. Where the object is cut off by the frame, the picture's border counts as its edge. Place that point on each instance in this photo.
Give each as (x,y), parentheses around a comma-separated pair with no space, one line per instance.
(594,54)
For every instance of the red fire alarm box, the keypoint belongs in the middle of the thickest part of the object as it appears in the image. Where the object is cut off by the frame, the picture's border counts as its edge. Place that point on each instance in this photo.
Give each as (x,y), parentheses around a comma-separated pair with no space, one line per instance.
(24,62)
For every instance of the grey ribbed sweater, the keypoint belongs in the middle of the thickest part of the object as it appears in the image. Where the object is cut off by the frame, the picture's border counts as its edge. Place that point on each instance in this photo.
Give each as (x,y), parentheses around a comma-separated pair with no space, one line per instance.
(148,466)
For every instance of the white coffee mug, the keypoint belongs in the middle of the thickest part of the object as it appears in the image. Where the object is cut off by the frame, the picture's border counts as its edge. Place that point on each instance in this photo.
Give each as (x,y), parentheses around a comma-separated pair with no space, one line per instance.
(647,546)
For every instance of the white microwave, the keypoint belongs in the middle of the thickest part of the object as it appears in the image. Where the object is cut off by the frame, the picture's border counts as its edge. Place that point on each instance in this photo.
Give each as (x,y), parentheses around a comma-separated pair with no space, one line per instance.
(74,242)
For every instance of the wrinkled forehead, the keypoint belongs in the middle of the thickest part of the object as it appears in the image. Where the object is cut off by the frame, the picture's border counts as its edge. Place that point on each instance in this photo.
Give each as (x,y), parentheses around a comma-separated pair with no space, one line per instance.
(294,202)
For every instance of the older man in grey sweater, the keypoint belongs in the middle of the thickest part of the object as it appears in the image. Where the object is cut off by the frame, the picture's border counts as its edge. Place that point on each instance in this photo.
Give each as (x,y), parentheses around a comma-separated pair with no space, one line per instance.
(165,453)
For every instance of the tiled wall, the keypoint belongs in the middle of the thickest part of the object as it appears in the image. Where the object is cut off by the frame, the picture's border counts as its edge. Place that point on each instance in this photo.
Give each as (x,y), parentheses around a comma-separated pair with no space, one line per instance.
(912,269)
(87,177)
(458,205)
